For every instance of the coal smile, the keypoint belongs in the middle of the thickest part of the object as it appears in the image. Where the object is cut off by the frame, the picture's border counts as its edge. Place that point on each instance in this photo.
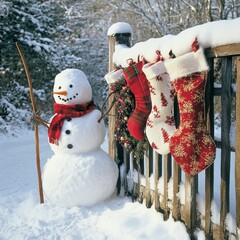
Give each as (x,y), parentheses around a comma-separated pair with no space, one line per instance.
(67,99)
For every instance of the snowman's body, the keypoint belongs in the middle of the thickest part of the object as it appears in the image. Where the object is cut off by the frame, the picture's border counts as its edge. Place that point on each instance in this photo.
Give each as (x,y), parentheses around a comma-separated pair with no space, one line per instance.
(81,134)
(79,173)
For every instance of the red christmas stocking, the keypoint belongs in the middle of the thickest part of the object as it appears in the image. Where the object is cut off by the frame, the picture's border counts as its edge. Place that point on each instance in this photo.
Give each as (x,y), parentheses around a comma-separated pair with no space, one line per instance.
(138,84)
(191,145)
(160,124)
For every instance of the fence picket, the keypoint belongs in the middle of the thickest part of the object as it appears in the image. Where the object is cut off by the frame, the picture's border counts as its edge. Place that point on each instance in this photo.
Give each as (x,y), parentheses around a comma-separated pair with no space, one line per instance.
(126,170)
(167,175)
(237,147)
(147,194)
(209,173)
(176,208)
(157,175)
(225,142)
(190,207)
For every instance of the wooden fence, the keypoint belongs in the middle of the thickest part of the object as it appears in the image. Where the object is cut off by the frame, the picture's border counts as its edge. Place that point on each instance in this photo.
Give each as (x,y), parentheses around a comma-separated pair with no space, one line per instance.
(159,181)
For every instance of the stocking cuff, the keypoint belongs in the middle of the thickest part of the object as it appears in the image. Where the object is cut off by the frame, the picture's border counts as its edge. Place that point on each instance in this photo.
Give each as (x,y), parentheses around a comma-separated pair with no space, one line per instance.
(153,70)
(113,76)
(186,64)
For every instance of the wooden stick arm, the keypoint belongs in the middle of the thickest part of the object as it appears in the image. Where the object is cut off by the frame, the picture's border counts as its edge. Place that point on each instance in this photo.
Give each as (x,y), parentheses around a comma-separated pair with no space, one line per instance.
(37,120)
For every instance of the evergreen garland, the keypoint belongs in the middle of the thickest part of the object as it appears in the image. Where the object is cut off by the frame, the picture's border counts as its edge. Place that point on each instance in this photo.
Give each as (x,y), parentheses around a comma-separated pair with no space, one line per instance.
(125,106)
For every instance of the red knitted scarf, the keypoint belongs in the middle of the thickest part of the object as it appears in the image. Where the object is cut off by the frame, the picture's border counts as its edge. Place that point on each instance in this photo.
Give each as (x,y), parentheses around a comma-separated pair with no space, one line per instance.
(64,112)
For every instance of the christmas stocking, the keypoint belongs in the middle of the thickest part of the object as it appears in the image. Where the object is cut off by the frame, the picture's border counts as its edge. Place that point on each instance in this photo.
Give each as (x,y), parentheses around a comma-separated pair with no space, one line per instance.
(160,124)
(138,84)
(113,76)
(116,82)
(191,145)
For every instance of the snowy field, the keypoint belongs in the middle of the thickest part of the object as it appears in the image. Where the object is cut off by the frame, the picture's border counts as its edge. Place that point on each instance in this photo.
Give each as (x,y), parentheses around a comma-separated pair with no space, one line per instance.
(22,217)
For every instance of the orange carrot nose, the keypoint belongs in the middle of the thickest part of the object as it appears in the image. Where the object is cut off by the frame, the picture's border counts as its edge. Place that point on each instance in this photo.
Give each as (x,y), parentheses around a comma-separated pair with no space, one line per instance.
(64,93)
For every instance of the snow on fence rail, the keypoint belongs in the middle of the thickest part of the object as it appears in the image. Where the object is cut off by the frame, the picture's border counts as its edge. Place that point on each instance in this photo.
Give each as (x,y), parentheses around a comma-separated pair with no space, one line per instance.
(157,180)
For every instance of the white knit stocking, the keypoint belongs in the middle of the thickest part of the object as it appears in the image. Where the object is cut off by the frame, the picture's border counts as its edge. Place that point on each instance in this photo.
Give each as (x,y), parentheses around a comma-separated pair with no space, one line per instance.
(160,124)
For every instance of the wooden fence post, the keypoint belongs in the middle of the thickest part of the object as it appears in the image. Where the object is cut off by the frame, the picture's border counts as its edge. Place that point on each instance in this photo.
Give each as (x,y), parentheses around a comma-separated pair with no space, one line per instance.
(237,147)
(115,37)
(118,33)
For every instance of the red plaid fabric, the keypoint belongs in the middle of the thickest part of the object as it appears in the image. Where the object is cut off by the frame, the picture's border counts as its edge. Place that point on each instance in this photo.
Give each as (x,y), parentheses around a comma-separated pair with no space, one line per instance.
(138,84)
(64,112)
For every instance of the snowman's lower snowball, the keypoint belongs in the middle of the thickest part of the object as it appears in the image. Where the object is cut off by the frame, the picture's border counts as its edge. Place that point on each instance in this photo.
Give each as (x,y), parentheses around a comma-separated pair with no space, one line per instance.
(79,180)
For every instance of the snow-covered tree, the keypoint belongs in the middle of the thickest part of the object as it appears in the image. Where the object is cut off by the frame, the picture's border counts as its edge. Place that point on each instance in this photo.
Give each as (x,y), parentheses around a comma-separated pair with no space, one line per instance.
(28,23)
(156,18)
(85,45)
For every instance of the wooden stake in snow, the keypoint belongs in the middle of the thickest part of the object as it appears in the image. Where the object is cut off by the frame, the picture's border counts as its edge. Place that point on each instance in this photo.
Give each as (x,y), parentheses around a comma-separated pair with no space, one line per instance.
(35,125)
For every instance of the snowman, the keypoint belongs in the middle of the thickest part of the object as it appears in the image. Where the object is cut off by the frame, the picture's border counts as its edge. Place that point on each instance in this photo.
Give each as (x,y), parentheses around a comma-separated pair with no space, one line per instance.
(79,173)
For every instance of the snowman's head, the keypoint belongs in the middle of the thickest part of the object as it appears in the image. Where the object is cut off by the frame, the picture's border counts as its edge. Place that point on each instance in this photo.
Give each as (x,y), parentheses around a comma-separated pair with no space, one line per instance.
(71,86)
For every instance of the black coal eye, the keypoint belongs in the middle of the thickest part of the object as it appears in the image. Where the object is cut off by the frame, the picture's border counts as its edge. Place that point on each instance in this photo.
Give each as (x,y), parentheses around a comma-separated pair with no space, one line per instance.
(70,85)
(59,87)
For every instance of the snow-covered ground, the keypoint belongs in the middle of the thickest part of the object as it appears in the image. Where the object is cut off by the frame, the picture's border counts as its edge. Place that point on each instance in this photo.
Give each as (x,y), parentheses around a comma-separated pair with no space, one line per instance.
(23,217)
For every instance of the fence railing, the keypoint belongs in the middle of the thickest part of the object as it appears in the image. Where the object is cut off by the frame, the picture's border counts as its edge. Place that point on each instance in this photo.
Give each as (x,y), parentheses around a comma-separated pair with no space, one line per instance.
(157,180)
